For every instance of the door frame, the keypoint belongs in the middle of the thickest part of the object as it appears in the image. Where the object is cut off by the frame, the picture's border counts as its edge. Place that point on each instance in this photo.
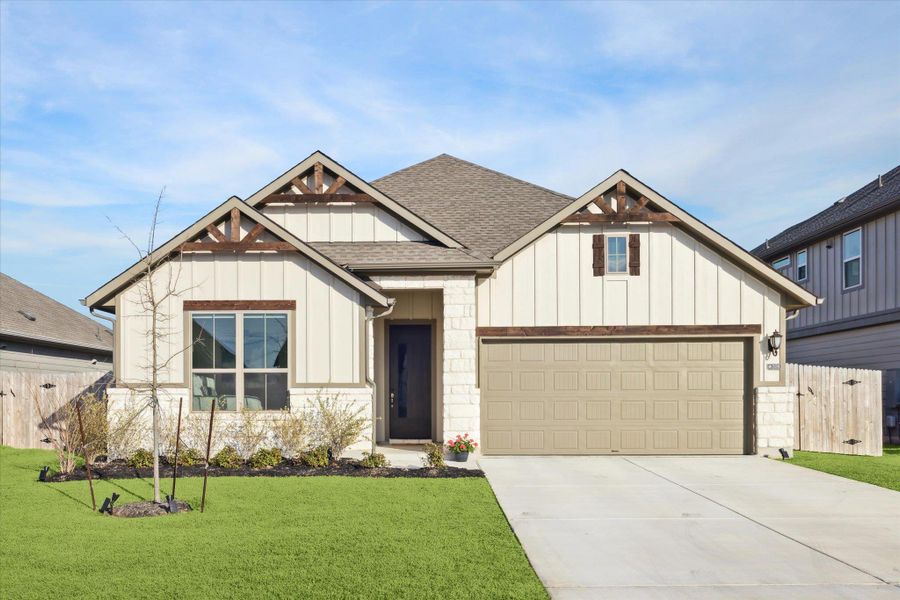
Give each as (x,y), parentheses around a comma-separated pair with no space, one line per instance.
(386,403)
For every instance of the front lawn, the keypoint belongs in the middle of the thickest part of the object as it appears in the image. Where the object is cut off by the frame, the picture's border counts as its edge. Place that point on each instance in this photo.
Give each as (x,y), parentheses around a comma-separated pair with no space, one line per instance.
(882,471)
(290,537)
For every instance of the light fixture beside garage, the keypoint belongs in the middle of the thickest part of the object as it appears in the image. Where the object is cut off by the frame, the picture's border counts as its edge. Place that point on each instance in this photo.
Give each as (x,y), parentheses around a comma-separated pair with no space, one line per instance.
(775,343)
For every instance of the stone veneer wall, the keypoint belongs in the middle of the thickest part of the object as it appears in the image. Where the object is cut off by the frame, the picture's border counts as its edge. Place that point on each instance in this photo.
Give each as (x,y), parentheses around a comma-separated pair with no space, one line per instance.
(774,419)
(460,396)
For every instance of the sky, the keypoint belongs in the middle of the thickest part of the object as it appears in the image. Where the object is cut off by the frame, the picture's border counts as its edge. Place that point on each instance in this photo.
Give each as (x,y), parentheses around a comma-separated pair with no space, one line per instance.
(752,116)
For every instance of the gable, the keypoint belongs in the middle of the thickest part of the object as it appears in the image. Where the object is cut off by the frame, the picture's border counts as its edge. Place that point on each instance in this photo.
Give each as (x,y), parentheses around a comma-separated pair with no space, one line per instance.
(325,201)
(628,201)
(232,228)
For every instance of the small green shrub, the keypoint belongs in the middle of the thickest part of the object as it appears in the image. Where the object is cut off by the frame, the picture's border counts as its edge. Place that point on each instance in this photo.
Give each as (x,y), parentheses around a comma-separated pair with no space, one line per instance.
(265,457)
(141,459)
(187,457)
(227,458)
(434,456)
(317,457)
(375,460)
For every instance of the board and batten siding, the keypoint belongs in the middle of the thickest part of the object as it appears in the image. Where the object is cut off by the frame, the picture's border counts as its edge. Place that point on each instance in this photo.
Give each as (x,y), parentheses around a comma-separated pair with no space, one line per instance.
(880,290)
(326,327)
(341,223)
(682,282)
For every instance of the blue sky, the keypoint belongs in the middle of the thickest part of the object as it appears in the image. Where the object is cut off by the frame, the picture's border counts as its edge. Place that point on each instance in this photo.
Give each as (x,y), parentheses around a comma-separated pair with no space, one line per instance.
(753,116)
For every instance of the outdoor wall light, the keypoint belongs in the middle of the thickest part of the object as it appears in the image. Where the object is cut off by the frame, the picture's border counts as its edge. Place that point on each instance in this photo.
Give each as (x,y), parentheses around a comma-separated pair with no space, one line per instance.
(775,343)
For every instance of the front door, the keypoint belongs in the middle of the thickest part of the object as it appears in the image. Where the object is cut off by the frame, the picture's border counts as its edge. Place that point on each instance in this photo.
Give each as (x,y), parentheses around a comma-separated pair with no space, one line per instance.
(409,391)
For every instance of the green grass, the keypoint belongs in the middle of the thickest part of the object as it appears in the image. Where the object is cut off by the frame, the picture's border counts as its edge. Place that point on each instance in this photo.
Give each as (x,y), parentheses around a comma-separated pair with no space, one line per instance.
(883,471)
(291,537)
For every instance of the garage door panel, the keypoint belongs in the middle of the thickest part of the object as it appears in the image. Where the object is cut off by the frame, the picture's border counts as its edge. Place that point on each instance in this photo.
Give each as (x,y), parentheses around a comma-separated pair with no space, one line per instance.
(566,398)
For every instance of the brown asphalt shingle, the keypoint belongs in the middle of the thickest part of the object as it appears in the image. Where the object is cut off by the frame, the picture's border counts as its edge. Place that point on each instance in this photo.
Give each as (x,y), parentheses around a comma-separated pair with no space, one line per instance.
(482,209)
(357,254)
(53,322)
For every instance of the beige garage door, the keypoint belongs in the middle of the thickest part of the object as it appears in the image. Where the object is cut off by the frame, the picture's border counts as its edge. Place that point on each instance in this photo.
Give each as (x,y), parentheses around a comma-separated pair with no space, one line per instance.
(628,397)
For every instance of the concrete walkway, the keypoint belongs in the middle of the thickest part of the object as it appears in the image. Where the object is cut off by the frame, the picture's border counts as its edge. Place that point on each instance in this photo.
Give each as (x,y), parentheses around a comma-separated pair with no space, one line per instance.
(699,527)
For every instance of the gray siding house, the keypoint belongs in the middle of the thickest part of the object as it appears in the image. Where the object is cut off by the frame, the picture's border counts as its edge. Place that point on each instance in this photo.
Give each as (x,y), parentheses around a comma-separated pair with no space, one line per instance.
(38,334)
(848,254)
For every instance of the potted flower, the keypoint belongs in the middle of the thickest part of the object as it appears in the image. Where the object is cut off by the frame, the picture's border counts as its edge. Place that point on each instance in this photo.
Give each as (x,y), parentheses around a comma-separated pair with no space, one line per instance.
(460,446)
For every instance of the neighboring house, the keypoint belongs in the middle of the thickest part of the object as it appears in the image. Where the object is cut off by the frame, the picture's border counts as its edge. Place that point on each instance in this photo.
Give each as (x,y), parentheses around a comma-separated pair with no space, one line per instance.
(38,334)
(848,254)
(448,298)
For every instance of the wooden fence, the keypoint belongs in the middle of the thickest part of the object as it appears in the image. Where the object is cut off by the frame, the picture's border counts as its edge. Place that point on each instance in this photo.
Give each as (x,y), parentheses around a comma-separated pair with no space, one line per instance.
(836,409)
(20,420)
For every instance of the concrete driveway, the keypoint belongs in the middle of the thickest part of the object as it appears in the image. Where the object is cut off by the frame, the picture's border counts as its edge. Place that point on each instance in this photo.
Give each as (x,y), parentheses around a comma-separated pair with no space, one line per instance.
(699,527)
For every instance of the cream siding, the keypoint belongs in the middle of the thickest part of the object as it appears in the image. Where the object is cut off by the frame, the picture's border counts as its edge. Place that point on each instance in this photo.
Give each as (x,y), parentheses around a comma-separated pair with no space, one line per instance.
(326,327)
(682,282)
(341,223)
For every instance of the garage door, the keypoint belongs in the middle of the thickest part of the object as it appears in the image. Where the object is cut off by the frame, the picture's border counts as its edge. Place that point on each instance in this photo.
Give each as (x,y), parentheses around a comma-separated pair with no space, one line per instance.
(628,397)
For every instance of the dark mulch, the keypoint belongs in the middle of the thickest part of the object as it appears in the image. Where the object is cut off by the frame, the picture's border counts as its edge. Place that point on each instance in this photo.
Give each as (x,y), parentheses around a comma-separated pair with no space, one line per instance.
(147,508)
(117,469)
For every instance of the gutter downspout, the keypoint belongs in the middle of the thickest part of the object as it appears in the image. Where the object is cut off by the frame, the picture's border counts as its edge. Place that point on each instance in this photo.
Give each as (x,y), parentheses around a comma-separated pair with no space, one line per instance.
(371,316)
(112,323)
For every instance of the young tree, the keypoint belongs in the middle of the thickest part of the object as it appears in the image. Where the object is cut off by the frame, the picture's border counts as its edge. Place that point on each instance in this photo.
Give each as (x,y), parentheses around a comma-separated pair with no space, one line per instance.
(154,289)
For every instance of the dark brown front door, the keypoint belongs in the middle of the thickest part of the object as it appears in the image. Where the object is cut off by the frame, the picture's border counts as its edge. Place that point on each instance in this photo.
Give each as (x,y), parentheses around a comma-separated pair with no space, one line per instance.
(409,392)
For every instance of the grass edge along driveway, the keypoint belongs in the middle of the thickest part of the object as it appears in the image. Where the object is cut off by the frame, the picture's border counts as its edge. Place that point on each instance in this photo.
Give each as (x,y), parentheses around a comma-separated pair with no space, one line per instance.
(883,471)
(318,537)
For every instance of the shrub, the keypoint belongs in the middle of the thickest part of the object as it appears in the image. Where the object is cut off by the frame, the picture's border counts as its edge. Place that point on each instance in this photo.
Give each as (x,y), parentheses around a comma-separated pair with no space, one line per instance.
(374,460)
(316,457)
(264,458)
(248,433)
(141,459)
(434,456)
(291,432)
(227,458)
(187,457)
(337,425)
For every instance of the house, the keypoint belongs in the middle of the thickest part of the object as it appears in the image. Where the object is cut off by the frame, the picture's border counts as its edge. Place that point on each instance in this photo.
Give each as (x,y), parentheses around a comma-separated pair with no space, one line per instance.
(848,254)
(448,298)
(40,335)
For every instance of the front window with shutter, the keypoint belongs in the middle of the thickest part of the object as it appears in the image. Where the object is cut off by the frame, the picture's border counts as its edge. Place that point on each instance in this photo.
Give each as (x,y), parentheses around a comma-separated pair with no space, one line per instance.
(616,254)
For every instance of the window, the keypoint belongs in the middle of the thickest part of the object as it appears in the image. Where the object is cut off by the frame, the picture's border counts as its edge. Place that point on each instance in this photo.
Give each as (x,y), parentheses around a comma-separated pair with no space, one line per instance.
(239,360)
(616,255)
(851,250)
(801,265)
(782,263)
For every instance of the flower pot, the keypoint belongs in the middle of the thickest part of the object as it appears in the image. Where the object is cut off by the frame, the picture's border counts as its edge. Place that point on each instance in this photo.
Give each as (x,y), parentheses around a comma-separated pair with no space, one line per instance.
(460,456)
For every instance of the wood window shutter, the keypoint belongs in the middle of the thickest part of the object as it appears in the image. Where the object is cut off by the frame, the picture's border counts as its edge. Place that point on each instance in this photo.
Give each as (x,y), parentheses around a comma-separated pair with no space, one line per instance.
(634,254)
(599,255)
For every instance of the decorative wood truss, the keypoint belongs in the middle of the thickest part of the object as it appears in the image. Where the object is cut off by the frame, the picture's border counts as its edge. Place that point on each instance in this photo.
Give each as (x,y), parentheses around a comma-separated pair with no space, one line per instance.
(627,209)
(216,241)
(310,188)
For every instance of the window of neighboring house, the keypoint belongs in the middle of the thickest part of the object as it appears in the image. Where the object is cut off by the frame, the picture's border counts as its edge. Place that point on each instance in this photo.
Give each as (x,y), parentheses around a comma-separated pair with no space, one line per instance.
(239,360)
(851,251)
(616,254)
(782,263)
(801,266)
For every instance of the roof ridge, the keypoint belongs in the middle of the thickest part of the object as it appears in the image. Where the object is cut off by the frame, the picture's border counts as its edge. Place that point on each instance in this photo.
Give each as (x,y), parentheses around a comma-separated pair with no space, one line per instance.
(483,168)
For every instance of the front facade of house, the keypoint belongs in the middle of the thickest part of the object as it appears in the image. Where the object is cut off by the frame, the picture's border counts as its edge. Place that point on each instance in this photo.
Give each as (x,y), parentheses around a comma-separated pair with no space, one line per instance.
(849,255)
(447,298)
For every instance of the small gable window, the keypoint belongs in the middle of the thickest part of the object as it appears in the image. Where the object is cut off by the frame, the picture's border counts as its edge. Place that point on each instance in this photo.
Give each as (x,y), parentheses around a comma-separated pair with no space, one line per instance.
(801,266)
(617,254)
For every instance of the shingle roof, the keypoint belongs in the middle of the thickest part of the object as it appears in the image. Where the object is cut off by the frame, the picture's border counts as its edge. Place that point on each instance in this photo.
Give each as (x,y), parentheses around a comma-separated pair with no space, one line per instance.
(481,208)
(360,254)
(870,199)
(53,322)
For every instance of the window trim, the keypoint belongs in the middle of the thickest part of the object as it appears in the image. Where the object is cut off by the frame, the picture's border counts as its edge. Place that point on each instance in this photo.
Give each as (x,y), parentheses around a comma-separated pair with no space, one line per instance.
(805,265)
(778,260)
(239,370)
(624,238)
(844,260)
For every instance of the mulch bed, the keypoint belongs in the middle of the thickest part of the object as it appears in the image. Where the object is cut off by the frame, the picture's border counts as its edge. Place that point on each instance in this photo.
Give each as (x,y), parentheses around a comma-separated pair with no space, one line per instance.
(147,508)
(118,469)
